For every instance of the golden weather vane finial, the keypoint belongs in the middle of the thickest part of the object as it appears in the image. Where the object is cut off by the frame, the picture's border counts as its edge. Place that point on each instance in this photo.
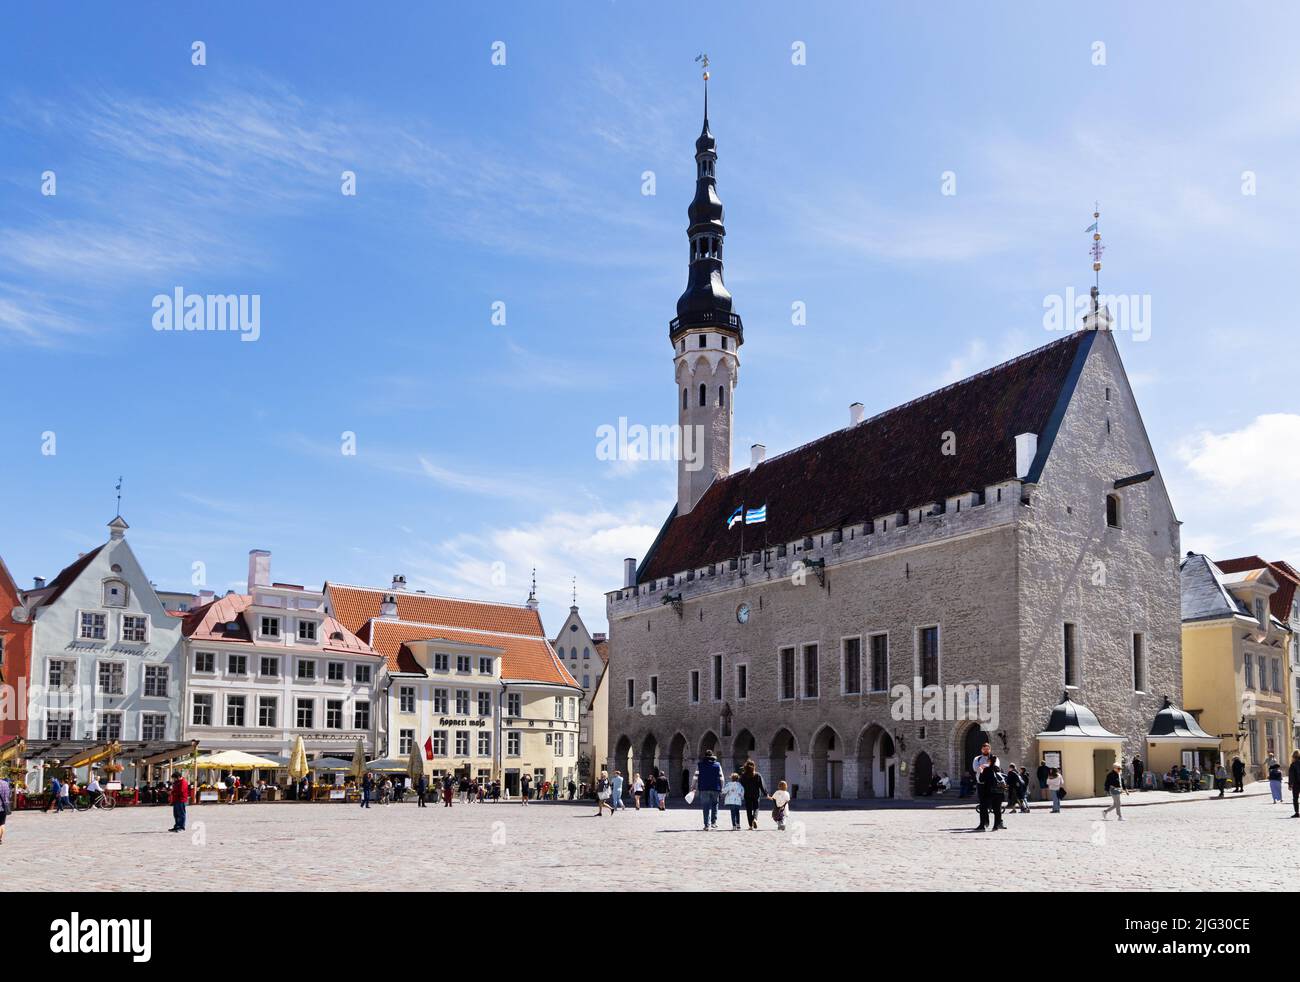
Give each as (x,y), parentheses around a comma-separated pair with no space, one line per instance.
(703,59)
(1097,248)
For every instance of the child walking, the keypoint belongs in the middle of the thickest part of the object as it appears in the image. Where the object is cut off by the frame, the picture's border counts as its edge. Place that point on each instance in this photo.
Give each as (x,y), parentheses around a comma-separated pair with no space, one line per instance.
(780,804)
(733,797)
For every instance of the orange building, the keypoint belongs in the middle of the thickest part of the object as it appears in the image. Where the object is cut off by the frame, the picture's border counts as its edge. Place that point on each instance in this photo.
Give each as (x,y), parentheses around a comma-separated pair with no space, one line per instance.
(15,658)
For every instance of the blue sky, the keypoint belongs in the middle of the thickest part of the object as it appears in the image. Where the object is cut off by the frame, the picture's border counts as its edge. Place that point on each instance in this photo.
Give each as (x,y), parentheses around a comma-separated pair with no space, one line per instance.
(522,184)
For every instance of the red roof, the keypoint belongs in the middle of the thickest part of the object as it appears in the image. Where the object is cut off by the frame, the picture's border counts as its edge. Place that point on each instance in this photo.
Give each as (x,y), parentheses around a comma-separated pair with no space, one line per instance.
(884,465)
(1288,580)
(354,605)
(223,620)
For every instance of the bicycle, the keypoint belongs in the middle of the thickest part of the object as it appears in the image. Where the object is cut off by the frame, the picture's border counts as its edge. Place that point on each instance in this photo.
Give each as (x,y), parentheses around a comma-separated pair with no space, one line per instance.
(85,803)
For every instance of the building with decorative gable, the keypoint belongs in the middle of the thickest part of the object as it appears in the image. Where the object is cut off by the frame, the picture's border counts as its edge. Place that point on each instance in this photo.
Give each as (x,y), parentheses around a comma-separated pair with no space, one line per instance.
(858,614)
(15,657)
(586,656)
(475,685)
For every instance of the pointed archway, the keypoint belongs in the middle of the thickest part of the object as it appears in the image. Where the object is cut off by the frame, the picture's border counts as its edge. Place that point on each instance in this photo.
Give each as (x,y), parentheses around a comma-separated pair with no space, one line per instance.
(679,778)
(784,754)
(648,763)
(877,763)
(742,749)
(828,764)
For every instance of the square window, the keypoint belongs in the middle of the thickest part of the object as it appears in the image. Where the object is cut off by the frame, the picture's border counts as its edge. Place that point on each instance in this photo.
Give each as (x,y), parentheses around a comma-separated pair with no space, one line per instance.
(336,671)
(153,726)
(236,664)
(270,627)
(306,630)
(306,669)
(205,662)
(440,662)
(156,679)
(269,667)
(363,674)
(112,678)
(135,628)
(93,627)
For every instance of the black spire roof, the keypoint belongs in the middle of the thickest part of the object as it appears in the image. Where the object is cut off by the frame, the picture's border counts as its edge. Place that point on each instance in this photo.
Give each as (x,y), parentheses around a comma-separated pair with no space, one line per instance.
(706,302)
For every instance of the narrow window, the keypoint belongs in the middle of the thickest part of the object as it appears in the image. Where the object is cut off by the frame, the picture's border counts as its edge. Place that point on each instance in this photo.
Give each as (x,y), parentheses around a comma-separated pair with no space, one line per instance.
(704,340)
(879,662)
(717,678)
(811,672)
(631,693)
(704,396)
(852,666)
(722,397)
(742,682)
(695,686)
(787,673)
(928,639)
(1070,655)
(686,399)
(1139,664)
(1112,510)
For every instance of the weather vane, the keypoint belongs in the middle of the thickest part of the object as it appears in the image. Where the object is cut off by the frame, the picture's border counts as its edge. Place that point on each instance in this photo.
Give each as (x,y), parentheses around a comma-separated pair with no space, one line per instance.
(703,59)
(1097,248)
(118,489)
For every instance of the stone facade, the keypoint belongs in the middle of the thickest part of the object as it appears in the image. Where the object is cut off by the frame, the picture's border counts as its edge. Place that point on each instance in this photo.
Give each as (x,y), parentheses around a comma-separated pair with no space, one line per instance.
(999,578)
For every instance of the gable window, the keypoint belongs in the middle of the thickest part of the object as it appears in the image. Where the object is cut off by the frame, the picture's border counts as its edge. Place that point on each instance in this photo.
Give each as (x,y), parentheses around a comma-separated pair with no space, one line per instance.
(156,680)
(485,666)
(1259,612)
(851,673)
(441,662)
(879,662)
(93,627)
(462,664)
(1112,511)
(1139,663)
(1070,654)
(306,630)
(112,678)
(116,593)
(270,627)
(135,628)
(811,672)
(785,670)
(928,654)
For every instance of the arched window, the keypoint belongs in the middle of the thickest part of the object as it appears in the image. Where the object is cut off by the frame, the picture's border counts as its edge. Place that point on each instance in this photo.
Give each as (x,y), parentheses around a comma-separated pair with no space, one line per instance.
(722,396)
(1112,510)
(704,397)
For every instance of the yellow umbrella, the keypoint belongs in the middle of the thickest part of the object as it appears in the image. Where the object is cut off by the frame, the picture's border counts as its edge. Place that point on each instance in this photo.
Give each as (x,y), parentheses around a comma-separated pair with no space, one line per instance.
(358,769)
(414,763)
(235,760)
(298,760)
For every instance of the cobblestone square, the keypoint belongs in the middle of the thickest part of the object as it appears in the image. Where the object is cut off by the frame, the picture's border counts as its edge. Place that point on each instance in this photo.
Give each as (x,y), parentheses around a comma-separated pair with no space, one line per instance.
(1241,843)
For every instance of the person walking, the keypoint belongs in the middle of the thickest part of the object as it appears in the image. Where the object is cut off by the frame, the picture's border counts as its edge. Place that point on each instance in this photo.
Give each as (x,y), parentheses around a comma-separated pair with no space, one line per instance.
(1221,778)
(1114,786)
(616,790)
(1137,773)
(525,786)
(780,805)
(752,782)
(180,798)
(53,798)
(662,788)
(992,787)
(1238,776)
(638,789)
(573,789)
(1055,788)
(1024,790)
(733,797)
(421,789)
(1275,780)
(6,802)
(652,789)
(603,794)
(1293,778)
(367,789)
(1015,789)
(708,785)
(65,793)
(1043,773)
(977,766)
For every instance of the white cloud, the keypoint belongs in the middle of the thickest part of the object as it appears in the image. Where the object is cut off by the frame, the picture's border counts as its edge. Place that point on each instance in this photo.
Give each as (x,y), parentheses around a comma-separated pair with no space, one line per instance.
(1238,489)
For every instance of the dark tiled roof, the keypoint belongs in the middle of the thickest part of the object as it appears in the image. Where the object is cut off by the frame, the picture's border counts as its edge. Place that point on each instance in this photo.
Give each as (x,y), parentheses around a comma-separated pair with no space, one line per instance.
(1204,596)
(886,464)
(67,576)
(1287,581)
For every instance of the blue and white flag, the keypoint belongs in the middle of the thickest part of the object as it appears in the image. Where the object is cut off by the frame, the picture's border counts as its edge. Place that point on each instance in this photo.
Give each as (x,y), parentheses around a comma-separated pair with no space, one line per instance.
(736,516)
(755,515)
(1091,228)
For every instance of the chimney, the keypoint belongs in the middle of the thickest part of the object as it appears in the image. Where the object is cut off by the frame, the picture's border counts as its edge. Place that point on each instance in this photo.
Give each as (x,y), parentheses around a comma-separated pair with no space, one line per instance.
(1026,451)
(259,568)
(39,582)
(399,582)
(629,572)
(206,596)
(856,414)
(756,454)
(388,609)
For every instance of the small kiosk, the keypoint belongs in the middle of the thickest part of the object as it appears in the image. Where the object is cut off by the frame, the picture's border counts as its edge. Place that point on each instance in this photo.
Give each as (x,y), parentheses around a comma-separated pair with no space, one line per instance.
(1176,739)
(1083,749)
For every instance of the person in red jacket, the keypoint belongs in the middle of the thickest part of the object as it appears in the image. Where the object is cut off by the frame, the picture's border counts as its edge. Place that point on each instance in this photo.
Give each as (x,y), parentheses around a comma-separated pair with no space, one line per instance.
(180,797)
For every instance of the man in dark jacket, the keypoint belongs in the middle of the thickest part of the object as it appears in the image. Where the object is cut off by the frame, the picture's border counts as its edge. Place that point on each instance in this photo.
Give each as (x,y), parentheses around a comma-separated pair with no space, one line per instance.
(421,788)
(992,786)
(1042,775)
(1137,773)
(708,784)
(1238,775)
(367,788)
(1293,779)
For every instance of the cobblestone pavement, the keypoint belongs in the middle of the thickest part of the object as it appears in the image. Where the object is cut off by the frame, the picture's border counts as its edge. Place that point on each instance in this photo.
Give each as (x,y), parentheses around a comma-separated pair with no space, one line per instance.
(1193,843)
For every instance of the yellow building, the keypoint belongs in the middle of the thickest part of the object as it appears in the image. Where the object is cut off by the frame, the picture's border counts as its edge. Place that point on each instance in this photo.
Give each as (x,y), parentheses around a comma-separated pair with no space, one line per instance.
(475,685)
(1236,676)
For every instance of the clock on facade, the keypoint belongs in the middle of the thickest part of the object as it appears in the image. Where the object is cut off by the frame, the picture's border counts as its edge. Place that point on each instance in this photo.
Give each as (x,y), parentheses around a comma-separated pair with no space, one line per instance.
(742,613)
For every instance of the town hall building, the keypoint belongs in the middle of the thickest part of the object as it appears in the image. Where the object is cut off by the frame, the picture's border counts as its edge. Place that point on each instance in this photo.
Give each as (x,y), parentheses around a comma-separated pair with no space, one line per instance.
(996,560)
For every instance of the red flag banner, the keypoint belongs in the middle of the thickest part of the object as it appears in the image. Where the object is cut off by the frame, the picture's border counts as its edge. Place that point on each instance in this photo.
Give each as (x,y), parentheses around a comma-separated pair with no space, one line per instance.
(428,749)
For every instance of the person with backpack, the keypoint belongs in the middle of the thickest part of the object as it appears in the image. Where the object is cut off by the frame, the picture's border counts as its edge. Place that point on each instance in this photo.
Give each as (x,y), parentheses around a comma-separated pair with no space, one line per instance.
(708,785)
(1015,789)
(992,789)
(1114,787)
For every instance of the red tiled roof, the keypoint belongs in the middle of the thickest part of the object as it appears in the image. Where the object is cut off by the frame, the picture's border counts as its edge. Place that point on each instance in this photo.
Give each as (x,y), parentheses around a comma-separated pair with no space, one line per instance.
(886,464)
(223,620)
(354,605)
(526,658)
(1287,581)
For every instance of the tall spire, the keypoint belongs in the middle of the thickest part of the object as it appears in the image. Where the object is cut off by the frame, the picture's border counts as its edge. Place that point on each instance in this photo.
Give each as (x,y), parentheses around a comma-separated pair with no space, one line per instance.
(706,302)
(1098,317)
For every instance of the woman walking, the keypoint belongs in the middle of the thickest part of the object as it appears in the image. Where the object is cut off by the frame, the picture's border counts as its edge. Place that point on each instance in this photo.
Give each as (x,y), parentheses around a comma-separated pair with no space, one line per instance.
(638,789)
(1275,780)
(1055,786)
(752,783)
(992,786)
(1221,778)
(603,794)
(1114,786)
(4,807)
